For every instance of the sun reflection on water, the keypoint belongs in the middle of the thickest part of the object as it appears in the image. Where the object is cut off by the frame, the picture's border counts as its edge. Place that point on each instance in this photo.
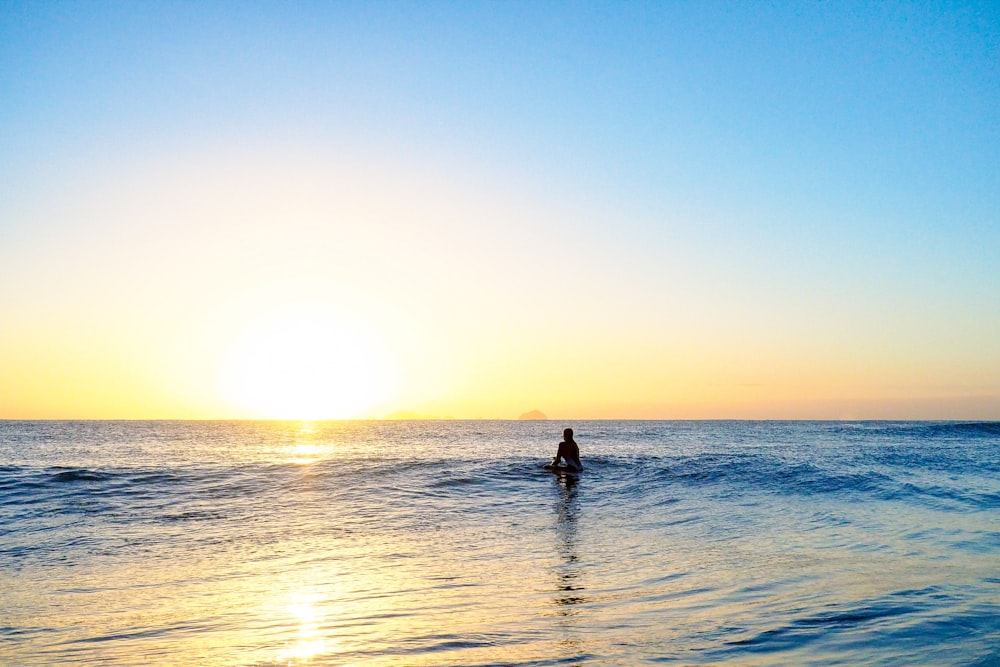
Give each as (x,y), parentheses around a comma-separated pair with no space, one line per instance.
(304,453)
(310,643)
(306,449)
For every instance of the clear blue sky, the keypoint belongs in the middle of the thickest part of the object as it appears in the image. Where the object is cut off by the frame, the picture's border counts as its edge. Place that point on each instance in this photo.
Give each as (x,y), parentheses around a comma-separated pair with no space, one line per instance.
(825,174)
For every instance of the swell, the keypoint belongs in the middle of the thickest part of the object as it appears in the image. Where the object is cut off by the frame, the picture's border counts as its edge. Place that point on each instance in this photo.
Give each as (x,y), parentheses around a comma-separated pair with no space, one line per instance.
(960,429)
(895,430)
(918,618)
(882,472)
(756,472)
(845,478)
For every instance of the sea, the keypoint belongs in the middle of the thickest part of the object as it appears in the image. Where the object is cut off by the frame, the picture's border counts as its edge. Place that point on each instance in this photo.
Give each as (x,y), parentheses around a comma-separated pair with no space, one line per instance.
(447,543)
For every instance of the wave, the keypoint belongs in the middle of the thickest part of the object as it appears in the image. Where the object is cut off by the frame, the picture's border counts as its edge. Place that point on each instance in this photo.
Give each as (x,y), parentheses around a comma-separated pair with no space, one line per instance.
(949,430)
(78,475)
(841,619)
(888,471)
(904,618)
(964,429)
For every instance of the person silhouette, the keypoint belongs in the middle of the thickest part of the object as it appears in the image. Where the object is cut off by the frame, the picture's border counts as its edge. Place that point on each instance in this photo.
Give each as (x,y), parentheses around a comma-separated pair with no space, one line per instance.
(569,452)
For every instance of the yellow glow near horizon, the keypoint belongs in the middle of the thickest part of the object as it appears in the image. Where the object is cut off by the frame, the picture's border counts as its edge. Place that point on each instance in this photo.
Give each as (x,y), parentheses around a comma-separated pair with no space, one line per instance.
(310,269)
(304,364)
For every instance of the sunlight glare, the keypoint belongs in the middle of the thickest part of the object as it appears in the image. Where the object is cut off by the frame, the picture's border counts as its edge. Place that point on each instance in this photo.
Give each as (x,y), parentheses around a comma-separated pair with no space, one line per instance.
(305,364)
(311,642)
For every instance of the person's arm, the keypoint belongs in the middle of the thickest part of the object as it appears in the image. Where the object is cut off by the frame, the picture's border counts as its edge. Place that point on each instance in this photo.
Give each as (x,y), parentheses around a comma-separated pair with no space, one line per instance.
(559,455)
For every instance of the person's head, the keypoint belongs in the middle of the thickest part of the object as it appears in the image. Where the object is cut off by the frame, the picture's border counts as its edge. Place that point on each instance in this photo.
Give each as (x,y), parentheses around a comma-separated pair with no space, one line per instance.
(568,434)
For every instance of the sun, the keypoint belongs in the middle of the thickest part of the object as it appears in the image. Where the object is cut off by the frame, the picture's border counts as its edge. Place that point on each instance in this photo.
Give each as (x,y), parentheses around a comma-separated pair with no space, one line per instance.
(305,364)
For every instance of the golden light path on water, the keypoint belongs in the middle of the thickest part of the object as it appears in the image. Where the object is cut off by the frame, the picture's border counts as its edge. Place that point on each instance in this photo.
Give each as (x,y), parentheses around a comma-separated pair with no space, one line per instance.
(306,449)
(324,598)
(310,641)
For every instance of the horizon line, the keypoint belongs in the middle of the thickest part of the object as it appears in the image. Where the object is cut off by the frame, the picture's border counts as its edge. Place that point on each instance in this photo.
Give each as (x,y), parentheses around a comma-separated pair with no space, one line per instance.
(496,419)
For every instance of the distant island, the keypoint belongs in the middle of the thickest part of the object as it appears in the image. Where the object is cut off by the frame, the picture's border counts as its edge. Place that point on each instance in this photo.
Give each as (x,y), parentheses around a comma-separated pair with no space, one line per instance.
(534,414)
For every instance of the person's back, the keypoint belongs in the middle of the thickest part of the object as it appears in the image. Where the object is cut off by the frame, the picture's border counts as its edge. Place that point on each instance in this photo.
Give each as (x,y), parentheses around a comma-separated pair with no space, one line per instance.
(569,452)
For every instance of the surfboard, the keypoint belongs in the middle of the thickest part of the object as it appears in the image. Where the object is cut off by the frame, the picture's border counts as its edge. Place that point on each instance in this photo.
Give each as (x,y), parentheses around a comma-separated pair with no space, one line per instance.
(565,470)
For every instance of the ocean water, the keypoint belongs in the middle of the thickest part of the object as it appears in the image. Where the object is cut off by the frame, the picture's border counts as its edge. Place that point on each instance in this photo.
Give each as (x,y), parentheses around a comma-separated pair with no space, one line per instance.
(446,543)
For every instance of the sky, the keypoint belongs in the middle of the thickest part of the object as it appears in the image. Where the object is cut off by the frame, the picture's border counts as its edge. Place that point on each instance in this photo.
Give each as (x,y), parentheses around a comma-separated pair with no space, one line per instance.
(604,210)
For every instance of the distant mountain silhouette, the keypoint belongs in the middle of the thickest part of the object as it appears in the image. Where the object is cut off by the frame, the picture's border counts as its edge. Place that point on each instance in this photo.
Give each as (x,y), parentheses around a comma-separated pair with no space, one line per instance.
(534,414)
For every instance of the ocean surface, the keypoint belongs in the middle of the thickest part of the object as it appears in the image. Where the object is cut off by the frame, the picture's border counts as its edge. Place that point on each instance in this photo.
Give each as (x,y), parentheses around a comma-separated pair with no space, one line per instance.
(446,543)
